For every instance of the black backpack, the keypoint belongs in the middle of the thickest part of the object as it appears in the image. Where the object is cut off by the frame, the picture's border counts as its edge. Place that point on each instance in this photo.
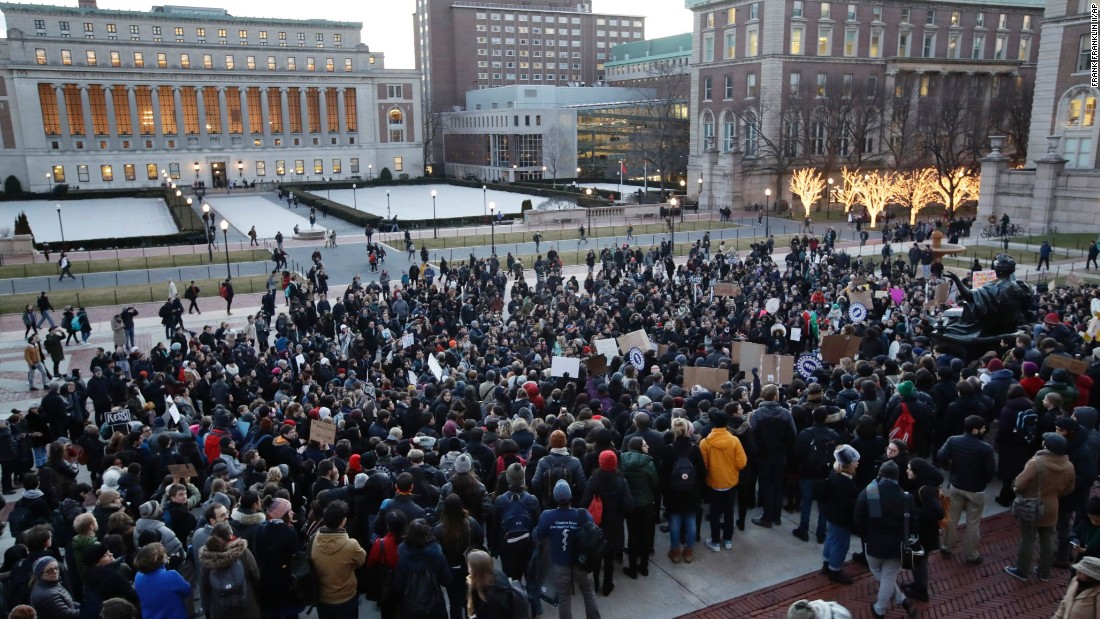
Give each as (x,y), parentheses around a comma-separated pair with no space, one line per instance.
(683,478)
(516,522)
(590,545)
(229,588)
(820,456)
(552,476)
(1027,425)
(419,596)
(302,576)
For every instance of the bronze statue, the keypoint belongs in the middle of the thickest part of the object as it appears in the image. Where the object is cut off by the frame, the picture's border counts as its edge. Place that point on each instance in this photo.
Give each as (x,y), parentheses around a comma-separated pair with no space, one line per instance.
(991,313)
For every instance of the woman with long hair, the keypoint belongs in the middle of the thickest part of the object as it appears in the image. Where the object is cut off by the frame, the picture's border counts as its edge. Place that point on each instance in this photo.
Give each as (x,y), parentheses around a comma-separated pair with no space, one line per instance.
(224,551)
(465,483)
(682,502)
(384,554)
(489,591)
(417,554)
(457,533)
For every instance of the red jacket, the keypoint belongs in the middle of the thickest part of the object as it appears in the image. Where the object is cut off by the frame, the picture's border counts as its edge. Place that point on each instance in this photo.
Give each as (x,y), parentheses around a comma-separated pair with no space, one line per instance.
(212,446)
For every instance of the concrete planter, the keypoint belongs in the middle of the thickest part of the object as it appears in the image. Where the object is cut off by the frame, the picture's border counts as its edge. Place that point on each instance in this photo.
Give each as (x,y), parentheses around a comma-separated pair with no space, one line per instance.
(17,245)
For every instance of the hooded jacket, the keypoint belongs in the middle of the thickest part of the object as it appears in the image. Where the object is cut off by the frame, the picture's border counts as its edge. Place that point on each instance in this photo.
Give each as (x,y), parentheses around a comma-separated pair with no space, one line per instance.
(641,476)
(774,430)
(724,457)
(1058,481)
(236,551)
(335,558)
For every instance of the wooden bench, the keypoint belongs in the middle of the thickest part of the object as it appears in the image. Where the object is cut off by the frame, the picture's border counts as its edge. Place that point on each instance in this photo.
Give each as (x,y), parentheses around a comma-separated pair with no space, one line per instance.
(311,235)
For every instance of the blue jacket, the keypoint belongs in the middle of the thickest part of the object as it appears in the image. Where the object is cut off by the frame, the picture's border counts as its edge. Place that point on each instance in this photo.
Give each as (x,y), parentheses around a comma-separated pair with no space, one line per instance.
(555,525)
(162,594)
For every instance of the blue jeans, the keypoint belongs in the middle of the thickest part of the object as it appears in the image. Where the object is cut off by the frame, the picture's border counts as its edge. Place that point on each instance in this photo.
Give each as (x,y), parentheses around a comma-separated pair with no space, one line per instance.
(39,455)
(835,550)
(684,521)
(46,317)
(806,489)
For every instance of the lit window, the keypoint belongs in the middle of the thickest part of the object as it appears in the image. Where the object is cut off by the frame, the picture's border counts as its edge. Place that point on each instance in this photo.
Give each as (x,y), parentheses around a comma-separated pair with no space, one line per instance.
(162,60)
(185,61)
(116,59)
(90,58)
(229,62)
(66,57)
(106,173)
(40,56)
(139,60)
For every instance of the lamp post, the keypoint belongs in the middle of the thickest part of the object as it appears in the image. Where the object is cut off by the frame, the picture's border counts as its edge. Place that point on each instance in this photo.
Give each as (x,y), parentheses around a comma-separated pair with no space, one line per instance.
(767,213)
(672,224)
(370,172)
(578,172)
(196,170)
(206,226)
(225,240)
(49,179)
(60,224)
(700,192)
(829,198)
(435,221)
(387,204)
(354,197)
(588,210)
(493,225)
(240,168)
(484,197)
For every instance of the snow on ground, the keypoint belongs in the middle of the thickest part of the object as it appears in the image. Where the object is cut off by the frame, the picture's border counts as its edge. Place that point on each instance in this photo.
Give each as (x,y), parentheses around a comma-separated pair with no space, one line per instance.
(415,202)
(261,211)
(91,219)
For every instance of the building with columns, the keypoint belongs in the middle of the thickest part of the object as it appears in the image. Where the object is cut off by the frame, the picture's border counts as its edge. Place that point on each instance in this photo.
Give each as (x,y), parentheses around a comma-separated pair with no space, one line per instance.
(1059,188)
(199,94)
(776,86)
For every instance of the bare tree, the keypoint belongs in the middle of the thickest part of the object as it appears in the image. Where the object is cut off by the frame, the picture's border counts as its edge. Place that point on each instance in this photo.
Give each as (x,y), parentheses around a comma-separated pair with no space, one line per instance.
(555,150)
(952,131)
(663,136)
(1010,113)
(900,125)
(808,185)
(915,189)
(434,124)
(777,152)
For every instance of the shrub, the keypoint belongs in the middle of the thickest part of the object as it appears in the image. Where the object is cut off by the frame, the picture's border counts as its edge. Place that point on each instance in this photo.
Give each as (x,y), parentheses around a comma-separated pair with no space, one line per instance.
(22,226)
(12,186)
(526,205)
(385,175)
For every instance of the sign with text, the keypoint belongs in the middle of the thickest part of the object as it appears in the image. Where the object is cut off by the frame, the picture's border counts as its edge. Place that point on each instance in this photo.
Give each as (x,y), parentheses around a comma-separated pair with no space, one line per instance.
(322,431)
(725,289)
(1075,366)
(710,379)
(981,278)
(182,471)
(119,417)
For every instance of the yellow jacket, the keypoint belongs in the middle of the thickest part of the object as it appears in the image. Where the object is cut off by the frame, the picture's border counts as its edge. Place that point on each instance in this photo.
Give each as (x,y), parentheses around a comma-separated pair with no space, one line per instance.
(724,457)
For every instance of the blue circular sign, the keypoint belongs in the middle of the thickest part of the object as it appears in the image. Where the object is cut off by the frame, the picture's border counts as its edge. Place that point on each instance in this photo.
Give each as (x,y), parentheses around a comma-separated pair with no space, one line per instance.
(807,365)
(636,358)
(857,312)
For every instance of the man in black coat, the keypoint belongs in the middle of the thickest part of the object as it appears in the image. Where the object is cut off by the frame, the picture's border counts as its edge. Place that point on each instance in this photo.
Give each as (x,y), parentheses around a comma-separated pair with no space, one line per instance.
(774,431)
(813,451)
(880,519)
(970,460)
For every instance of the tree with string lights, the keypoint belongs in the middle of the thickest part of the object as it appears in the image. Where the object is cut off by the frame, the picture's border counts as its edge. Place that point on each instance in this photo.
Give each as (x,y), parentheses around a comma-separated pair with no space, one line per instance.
(808,185)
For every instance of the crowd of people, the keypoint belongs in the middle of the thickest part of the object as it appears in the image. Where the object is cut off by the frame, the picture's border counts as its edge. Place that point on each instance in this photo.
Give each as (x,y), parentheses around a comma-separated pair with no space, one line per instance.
(409,444)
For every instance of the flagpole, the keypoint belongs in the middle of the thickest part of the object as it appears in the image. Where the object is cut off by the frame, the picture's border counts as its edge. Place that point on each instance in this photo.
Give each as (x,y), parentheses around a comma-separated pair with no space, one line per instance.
(620,180)
(645,177)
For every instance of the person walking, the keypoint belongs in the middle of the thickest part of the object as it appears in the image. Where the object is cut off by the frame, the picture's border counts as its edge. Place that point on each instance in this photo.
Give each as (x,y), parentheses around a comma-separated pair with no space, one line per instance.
(1048,476)
(723,459)
(583,238)
(630,232)
(836,498)
(1045,250)
(32,354)
(970,461)
(227,294)
(557,527)
(1094,252)
(883,513)
(28,321)
(252,237)
(44,309)
(537,238)
(191,293)
(279,240)
(66,266)
(369,232)
(56,348)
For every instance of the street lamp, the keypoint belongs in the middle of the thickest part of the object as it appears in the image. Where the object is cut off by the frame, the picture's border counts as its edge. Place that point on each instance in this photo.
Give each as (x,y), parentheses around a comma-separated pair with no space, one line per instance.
(700,191)
(206,226)
(829,198)
(578,172)
(588,210)
(59,223)
(767,213)
(484,197)
(240,167)
(225,240)
(178,194)
(672,224)
(387,204)
(49,178)
(196,170)
(370,172)
(354,197)
(435,221)
(493,225)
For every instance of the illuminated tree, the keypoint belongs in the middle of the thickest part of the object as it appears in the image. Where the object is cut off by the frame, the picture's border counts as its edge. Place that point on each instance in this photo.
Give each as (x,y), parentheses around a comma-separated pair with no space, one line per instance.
(915,189)
(808,185)
(847,192)
(956,188)
(875,191)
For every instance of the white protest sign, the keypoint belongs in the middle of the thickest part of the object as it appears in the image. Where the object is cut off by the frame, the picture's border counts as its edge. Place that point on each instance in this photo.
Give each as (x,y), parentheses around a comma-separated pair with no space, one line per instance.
(608,348)
(560,366)
(407,340)
(433,365)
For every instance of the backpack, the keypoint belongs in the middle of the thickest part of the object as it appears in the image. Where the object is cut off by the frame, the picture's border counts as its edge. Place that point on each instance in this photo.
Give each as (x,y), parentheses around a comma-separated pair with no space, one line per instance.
(552,476)
(683,478)
(595,508)
(75,323)
(903,427)
(20,519)
(1027,425)
(850,409)
(419,596)
(590,546)
(821,454)
(303,577)
(519,602)
(516,523)
(222,291)
(229,587)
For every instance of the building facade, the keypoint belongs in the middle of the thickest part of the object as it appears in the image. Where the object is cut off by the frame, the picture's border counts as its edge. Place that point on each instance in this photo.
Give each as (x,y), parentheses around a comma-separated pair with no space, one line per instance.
(100,98)
(650,63)
(1059,188)
(777,86)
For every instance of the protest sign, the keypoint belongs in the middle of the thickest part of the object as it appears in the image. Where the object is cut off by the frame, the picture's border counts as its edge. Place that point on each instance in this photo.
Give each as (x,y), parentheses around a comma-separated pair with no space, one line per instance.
(608,348)
(778,369)
(710,379)
(322,431)
(597,365)
(836,347)
(1074,366)
(561,366)
(746,355)
(407,340)
(635,339)
(981,278)
(724,289)
(433,365)
(182,471)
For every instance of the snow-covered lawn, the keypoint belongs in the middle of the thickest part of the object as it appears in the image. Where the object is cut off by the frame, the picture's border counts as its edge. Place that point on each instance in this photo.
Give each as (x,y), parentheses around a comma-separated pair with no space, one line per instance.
(261,211)
(91,219)
(415,202)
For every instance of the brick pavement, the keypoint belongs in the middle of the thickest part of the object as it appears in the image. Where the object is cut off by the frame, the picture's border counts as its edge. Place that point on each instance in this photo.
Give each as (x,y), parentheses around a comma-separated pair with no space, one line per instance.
(957,591)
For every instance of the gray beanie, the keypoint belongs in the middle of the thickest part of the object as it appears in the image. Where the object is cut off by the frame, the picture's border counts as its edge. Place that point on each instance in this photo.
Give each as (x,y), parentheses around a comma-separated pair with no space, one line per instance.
(514,475)
(464,463)
(360,481)
(562,492)
(888,470)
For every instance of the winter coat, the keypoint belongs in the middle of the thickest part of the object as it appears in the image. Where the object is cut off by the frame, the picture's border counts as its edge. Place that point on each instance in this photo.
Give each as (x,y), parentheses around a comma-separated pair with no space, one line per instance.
(929,508)
(682,502)
(1057,481)
(8,446)
(641,477)
(611,487)
(724,457)
(1079,603)
(335,558)
(236,551)
(498,599)
(118,331)
(171,543)
(839,494)
(163,594)
(245,524)
(103,582)
(884,534)
(410,560)
(52,601)
(276,543)
(1013,448)
(970,459)
(774,430)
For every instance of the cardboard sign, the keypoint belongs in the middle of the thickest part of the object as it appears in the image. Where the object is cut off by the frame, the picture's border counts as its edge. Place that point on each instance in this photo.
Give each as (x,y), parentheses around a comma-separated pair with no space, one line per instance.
(778,369)
(747,355)
(597,365)
(863,297)
(727,290)
(322,431)
(942,290)
(661,350)
(635,339)
(407,340)
(836,347)
(710,379)
(1075,366)
(433,365)
(609,348)
(981,278)
(560,366)
(796,334)
(182,471)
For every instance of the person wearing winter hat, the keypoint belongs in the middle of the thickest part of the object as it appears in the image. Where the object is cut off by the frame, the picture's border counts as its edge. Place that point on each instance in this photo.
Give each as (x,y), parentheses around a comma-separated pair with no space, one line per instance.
(840,493)
(558,526)
(515,514)
(724,458)
(972,465)
(817,609)
(1080,598)
(1031,381)
(558,464)
(607,488)
(879,519)
(1057,481)
(49,597)
(927,479)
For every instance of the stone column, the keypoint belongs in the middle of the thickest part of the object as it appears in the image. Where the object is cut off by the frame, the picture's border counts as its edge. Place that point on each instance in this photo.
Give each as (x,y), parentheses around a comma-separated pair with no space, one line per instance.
(112,122)
(158,126)
(994,169)
(224,112)
(286,111)
(322,105)
(246,130)
(86,109)
(303,102)
(135,122)
(200,102)
(177,97)
(341,112)
(63,114)
(1047,170)
(265,113)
